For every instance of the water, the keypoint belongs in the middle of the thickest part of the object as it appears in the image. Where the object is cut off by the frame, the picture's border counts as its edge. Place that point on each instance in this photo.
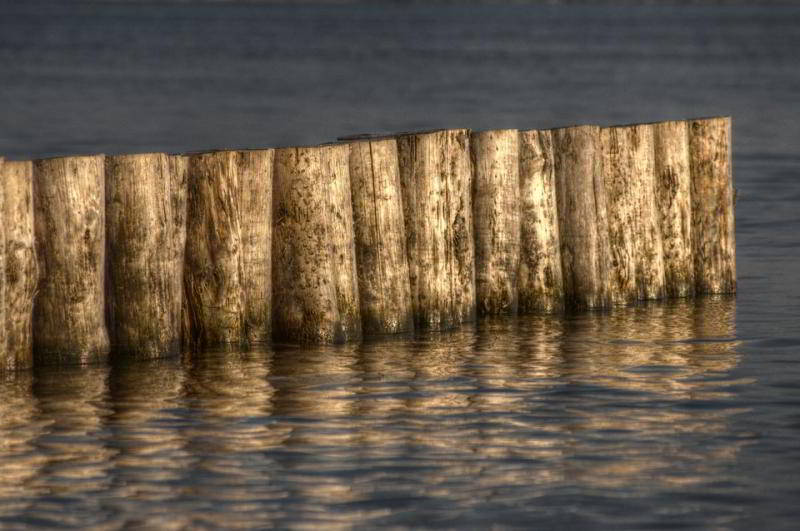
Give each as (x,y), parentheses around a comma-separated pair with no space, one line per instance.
(681,414)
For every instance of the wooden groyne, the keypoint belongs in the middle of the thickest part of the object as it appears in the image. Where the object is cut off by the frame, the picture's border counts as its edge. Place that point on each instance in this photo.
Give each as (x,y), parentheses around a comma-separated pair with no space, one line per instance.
(147,254)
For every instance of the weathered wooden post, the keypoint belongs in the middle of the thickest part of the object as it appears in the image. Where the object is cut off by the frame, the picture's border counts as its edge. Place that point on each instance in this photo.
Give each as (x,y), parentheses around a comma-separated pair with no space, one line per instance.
(20,273)
(5,362)
(144,200)
(309,228)
(496,218)
(540,283)
(713,234)
(380,235)
(228,243)
(582,216)
(435,176)
(70,225)
(255,169)
(335,160)
(674,201)
(637,266)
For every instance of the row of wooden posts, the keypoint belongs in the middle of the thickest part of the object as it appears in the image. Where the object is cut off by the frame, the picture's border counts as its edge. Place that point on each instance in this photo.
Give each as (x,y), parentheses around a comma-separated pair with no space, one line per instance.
(142,255)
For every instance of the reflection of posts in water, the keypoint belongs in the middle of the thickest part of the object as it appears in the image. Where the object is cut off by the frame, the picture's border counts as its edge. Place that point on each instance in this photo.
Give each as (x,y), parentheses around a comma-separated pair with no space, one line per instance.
(19,462)
(658,355)
(72,404)
(229,437)
(150,457)
(314,402)
(227,387)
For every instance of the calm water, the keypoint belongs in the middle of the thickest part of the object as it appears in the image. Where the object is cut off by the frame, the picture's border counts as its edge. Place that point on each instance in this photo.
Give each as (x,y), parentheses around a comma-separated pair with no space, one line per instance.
(682,414)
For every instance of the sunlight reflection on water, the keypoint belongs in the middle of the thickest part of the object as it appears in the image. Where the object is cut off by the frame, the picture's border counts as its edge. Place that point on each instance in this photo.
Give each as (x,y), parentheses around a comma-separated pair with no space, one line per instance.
(513,413)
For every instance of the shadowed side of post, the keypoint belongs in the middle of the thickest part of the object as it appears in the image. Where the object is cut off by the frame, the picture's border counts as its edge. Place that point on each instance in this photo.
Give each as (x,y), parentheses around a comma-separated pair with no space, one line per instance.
(69,323)
(540,283)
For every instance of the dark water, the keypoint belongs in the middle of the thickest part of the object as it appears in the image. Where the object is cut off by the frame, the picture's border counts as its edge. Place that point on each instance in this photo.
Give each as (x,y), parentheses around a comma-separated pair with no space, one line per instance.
(682,414)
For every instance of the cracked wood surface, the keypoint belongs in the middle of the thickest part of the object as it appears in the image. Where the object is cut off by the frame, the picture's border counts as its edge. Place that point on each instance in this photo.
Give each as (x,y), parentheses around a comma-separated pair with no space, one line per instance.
(673,184)
(496,217)
(436,183)
(380,236)
(634,227)
(540,282)
(21,268)
(582,216)
(307,283)
(144,200)
(228,244)
(713,228)
(69,322)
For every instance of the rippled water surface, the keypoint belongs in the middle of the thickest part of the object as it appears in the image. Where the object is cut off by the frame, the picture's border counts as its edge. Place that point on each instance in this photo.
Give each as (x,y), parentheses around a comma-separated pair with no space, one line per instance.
(676,414)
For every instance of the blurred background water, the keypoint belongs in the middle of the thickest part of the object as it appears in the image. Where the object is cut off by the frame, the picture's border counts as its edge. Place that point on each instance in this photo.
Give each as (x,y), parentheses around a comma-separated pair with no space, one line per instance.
(677,414)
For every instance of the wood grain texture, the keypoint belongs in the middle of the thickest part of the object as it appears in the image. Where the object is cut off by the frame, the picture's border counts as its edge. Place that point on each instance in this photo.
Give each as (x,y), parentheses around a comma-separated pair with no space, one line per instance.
(384,289)
(145,255)
(179,168)
(713,236)
(227,276)
(21,268)
(674,200)
(435,177)
(496,218)
(582,216)
(255,169)
(637,265)
(69,323)
(307,307)
(5,361)
(335,161)
(540,283)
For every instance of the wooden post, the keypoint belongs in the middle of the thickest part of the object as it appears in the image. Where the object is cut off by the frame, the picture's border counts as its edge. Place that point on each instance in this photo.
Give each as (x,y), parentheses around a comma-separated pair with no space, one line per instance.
(541,284)
(496,217)
(380,235)
(435,177)
(20,272)
(308,217)
(674,201)
(255,179)
(637,266)
(228,243)
(582,216)
(69,214)
(179,169)
(145,255)
(712,205)
(5,362)
(335,161)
